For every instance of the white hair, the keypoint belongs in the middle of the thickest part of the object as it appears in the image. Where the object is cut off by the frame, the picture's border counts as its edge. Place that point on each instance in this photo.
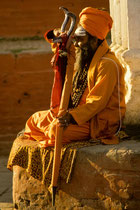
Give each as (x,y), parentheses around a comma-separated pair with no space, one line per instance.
(80,31)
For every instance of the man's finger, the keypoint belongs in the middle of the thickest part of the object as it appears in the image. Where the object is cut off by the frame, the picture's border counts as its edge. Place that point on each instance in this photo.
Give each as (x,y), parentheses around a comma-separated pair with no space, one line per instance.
(63,125)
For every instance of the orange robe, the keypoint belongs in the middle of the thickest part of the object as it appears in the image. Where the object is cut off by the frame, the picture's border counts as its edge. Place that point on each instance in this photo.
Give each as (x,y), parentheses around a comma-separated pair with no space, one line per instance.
(100,111)
(41,126)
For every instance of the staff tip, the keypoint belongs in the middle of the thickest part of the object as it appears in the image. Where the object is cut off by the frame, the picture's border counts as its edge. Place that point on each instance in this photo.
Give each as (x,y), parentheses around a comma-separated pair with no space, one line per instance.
(53,195)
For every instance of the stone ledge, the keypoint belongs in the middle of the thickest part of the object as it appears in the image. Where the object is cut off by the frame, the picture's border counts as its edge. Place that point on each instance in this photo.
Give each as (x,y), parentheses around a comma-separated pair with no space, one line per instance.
(6,206)
(24,46)
(104,177)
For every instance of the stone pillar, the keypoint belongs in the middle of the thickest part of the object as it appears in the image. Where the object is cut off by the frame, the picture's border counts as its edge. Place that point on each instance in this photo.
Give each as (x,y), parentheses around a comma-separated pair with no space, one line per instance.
(125,37)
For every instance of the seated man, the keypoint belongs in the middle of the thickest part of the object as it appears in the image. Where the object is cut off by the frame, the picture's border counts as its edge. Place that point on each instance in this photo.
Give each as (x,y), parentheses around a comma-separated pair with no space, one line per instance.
(97,104)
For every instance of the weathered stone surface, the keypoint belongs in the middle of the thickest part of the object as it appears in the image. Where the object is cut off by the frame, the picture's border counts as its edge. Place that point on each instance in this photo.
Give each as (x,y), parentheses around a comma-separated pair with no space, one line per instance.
(126,21)
(104,177)
(5,182)
(6,206)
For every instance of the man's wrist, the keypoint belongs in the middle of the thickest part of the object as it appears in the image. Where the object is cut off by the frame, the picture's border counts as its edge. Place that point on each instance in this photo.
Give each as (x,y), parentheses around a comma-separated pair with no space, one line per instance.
(72,120)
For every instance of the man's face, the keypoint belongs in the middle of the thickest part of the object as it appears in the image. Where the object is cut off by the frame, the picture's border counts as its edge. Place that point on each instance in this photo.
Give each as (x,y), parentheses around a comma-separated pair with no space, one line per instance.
(83,51)
(85,47)
(86,42)
(81,41)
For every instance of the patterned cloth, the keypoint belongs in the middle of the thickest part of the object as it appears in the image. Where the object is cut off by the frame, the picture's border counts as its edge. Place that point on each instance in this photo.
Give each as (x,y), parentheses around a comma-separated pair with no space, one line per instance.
(38,161)
(79,86)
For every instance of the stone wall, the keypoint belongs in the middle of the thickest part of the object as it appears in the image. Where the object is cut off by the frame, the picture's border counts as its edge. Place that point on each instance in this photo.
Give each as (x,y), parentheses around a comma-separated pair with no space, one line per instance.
(30,18)
(126,45)
(104,177)
(26,81)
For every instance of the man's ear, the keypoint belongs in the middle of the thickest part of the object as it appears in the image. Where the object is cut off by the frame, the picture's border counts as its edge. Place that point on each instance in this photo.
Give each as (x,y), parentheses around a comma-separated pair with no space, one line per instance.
(94,42)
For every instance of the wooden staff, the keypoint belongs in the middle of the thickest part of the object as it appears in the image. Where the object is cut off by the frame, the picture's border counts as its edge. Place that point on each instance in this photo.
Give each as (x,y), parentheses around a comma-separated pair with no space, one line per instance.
(62,110)
(59,131)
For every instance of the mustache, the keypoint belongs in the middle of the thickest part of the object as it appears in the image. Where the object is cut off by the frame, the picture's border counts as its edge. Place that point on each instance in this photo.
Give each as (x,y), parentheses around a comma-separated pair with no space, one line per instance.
(83,56)
(83,49)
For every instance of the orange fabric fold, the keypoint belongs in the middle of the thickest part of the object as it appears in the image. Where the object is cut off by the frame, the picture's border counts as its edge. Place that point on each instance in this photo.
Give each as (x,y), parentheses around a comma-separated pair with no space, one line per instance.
(96,22)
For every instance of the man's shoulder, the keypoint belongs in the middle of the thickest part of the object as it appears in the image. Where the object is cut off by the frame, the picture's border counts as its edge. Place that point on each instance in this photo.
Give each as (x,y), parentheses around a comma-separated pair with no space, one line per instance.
(109,63)
(110,58)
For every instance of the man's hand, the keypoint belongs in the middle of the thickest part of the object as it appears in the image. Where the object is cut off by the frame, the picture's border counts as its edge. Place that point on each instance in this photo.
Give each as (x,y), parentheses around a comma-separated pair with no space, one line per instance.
(66,119)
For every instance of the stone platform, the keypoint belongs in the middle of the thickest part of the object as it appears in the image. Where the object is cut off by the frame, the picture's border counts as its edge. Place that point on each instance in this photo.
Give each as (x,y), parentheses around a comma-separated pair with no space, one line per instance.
(104,177)
(6,206)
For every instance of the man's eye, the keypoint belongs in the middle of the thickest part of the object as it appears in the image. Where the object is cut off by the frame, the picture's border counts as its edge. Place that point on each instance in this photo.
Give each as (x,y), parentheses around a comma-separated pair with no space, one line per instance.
(81,39)
(77,38)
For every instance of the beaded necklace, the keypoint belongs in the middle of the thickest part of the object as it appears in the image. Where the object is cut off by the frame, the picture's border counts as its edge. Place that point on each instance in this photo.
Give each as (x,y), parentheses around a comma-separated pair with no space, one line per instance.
(80,80)
(79,85)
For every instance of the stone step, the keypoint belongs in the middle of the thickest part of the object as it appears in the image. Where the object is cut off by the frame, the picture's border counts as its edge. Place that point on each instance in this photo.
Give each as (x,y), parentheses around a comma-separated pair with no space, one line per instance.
(6,206)
(17,45)
(104,177)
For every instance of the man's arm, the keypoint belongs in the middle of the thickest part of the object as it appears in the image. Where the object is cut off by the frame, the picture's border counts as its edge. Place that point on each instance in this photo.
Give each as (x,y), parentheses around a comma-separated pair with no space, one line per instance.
(99,95)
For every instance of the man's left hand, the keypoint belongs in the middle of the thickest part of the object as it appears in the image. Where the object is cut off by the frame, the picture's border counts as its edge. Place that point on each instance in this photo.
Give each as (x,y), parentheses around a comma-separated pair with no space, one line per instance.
(65,120)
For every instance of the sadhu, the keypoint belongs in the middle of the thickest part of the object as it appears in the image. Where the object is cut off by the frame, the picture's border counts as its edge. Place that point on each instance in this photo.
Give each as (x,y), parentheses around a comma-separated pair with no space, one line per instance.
(95,99)
(97,104)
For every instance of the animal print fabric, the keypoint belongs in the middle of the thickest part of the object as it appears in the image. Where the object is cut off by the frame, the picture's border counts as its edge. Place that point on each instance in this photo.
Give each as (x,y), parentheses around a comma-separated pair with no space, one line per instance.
(38,161)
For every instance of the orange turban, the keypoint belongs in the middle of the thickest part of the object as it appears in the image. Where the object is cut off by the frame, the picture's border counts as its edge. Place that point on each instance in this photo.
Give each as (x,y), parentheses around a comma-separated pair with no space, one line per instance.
(96,22)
